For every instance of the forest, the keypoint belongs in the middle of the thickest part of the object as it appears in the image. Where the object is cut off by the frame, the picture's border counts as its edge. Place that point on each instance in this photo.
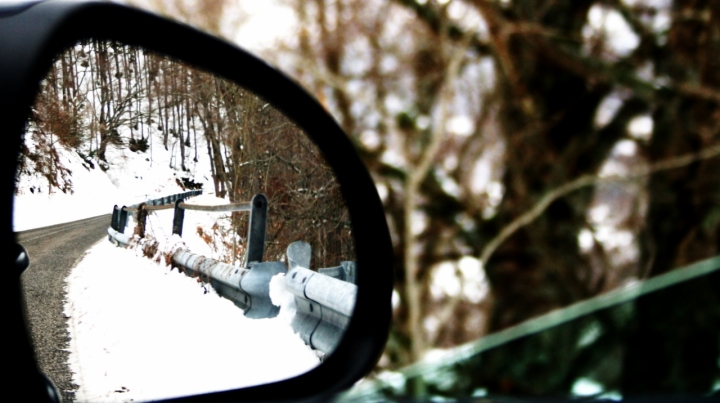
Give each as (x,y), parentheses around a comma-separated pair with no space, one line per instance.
(102,100)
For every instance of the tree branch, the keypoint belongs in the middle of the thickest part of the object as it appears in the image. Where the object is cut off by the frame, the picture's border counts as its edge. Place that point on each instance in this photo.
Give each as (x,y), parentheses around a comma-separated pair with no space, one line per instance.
(585,180)
(414,180)
(592,69)
(426,12)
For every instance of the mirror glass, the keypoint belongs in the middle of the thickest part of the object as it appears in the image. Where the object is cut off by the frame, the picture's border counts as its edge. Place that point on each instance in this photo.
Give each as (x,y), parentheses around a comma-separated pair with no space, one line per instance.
(184,235)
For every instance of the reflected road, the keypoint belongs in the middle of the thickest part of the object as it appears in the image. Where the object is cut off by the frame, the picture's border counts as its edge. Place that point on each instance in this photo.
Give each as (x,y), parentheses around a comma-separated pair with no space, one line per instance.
(53,251)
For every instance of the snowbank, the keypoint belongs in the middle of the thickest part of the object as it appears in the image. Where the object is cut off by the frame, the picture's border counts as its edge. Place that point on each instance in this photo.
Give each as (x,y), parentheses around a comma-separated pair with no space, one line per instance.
(140,331)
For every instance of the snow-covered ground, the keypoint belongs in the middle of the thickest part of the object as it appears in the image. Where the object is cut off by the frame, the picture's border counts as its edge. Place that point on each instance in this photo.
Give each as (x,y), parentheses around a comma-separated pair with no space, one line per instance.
(141,331)
(131,178)
(94,194)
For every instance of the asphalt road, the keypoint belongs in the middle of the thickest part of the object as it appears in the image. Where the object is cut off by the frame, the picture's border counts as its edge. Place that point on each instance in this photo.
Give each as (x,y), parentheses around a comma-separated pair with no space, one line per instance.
(53,252)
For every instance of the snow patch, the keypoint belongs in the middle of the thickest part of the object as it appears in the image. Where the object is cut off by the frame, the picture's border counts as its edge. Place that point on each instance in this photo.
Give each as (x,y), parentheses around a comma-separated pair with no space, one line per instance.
(282,297)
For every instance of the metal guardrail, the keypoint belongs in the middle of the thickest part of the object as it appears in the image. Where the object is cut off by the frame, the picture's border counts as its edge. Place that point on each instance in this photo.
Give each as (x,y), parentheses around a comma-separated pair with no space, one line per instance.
(243,206)
(344,272)
(325,299)
(118,238)
(324,307)
(324,304)
(256,228)
(119,214)
(248,288)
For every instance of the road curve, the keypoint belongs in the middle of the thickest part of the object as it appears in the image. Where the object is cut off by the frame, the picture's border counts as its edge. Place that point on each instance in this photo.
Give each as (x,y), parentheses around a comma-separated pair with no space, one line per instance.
(53,252)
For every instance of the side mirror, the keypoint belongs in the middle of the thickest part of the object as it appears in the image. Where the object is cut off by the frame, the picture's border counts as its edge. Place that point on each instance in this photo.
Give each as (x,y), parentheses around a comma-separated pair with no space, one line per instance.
(197,158)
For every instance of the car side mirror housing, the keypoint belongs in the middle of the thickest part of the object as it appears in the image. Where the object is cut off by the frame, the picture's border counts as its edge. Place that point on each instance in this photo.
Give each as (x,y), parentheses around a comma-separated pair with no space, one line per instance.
(32,35)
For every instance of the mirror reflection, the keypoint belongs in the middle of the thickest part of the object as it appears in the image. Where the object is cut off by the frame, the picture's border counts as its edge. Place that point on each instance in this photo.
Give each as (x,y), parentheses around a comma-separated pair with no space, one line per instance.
(184,235)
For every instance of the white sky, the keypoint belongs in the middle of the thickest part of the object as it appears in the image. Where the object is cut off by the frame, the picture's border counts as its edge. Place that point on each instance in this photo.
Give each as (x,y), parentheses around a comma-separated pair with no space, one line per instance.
(268,21)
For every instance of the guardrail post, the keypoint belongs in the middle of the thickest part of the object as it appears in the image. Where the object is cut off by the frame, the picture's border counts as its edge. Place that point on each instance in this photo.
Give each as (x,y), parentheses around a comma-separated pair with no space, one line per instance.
(178,218)
(299,254)
(113,220)
(349,271)
(122,220)
(256,229)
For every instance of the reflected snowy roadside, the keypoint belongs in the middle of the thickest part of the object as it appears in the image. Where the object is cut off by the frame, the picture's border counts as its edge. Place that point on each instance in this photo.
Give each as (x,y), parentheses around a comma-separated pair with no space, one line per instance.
(115,125)
(171,336)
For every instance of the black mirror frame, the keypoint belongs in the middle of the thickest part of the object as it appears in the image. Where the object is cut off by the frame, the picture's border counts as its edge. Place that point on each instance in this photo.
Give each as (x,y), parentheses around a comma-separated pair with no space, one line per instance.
(32,34)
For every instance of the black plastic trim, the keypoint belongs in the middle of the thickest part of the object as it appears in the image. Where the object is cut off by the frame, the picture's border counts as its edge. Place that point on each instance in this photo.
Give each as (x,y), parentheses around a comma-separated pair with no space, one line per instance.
(29,41)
